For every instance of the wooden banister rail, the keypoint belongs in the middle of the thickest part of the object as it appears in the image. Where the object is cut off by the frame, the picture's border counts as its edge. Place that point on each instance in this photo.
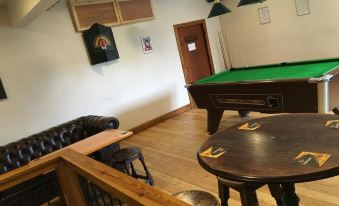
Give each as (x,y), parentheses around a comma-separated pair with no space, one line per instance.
(34,168)
(68,164)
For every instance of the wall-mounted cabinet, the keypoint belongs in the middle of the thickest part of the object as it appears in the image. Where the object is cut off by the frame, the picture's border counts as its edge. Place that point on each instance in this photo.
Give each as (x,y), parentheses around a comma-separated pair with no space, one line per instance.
(134,10)
(109,12)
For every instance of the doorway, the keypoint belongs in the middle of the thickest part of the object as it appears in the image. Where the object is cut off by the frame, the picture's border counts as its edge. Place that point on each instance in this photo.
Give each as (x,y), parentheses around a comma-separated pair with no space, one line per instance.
(194,50)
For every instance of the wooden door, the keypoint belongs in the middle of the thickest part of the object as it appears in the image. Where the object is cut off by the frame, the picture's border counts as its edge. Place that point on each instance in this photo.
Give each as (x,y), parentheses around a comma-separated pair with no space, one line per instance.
(194,50)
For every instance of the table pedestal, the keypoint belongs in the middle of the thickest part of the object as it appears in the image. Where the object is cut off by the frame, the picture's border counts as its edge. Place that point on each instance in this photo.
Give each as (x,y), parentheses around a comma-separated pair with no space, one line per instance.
(290,198)
(284,195)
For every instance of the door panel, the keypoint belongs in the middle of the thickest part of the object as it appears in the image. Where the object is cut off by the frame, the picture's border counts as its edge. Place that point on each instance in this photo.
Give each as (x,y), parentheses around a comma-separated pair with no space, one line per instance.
(194,49)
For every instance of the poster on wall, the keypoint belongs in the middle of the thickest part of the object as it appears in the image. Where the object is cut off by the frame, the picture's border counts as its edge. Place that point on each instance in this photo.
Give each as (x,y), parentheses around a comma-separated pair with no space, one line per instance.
(302,7)
(264,15)
(2,91)
(146,43)
(100,44)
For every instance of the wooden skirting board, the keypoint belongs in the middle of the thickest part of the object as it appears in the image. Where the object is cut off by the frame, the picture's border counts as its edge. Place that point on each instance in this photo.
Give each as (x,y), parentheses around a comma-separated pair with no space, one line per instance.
(162,118)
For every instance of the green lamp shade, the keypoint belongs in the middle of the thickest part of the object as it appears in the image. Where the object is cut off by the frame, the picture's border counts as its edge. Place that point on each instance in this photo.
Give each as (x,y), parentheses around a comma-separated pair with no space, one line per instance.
(247,2)
(218,9)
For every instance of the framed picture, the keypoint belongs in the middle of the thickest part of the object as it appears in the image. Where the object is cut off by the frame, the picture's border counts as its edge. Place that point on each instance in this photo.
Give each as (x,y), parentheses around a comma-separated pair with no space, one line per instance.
(146,43)
(264,15)
(302,7)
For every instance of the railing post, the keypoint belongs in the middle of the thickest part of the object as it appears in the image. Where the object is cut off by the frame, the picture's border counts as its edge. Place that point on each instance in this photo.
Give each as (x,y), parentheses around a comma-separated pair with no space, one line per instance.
(70,186)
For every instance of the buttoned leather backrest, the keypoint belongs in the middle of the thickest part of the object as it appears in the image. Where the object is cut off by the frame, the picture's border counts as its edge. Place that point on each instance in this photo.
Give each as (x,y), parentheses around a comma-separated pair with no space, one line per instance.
(21,152)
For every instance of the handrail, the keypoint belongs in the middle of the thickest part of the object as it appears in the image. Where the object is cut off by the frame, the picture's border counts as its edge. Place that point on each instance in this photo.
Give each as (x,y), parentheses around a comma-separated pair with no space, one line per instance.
(68,164)
(34,168)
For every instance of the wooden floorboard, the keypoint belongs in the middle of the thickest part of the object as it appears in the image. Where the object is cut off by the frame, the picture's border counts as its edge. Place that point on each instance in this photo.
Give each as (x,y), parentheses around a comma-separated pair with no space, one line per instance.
(170,152)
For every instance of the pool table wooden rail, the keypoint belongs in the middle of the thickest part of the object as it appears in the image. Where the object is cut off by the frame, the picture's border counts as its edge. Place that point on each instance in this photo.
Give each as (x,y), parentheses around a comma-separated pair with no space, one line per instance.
(303,95)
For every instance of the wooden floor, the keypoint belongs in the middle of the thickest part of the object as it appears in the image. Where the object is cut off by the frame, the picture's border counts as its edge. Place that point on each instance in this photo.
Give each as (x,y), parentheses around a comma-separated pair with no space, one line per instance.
(170,152)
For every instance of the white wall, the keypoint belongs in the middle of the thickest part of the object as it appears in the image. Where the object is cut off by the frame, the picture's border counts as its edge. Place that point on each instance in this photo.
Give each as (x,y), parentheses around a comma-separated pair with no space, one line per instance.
(21,13)
(287,38)
(48,78)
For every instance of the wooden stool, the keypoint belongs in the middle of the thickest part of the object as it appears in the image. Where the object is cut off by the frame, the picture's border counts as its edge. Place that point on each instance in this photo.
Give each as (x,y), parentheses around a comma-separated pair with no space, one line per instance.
(197,198)
(125,157)
(247,192)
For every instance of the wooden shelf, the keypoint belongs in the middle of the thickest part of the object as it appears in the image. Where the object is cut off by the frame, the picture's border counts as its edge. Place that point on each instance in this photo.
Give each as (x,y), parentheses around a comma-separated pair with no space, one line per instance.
(109,12)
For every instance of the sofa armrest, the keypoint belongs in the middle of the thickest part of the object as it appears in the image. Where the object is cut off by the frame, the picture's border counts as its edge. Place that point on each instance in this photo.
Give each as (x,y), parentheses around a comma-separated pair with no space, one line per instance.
(95,124)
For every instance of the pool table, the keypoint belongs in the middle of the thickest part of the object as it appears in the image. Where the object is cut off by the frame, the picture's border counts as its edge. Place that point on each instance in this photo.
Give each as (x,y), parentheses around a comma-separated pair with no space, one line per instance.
(298,87)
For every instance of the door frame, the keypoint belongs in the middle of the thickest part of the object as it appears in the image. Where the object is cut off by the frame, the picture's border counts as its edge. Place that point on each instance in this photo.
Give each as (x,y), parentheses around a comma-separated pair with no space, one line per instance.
(210,59)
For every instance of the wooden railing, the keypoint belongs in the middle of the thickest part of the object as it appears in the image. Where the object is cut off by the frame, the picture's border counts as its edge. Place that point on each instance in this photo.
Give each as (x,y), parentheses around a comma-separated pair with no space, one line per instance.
(69,164)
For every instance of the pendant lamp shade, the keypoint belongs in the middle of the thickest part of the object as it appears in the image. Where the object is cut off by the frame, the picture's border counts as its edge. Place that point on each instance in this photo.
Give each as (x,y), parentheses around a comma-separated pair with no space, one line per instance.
(247,2)
(218,9)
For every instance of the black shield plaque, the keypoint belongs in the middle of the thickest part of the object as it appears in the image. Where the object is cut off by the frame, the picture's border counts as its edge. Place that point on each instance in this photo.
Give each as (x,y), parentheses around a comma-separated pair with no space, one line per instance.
(100,44)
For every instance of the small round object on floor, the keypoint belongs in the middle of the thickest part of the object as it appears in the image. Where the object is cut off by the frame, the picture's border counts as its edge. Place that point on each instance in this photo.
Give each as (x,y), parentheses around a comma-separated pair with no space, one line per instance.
(197,198)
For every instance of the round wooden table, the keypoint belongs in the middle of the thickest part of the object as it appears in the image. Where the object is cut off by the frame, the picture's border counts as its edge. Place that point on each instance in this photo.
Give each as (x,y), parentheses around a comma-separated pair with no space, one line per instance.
(267,155)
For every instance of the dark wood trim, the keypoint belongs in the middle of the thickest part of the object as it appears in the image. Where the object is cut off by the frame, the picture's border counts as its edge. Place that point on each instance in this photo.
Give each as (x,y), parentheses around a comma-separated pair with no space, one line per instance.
(334,72)
(201,21)
(208,47)
(162,118)
(235,83)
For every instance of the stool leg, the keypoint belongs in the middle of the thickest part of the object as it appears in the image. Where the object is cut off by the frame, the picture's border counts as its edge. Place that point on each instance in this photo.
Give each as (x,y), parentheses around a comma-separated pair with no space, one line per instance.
(127,168)
(289,196)
(134,173)
(148,174)
(224,193)
(276,192)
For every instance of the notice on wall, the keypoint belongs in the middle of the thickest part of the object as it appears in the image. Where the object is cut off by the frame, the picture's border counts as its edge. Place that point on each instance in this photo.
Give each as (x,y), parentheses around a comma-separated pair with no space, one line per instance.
(192,47)
(264,15)
(302,7)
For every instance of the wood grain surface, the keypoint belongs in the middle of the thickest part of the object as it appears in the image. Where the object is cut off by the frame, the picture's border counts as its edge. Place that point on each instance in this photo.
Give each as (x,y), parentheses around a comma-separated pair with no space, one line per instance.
(266,155)
(170,151)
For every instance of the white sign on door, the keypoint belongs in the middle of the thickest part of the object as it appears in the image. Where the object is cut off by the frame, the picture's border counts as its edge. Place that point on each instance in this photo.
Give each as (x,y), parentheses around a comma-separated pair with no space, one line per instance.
(192,47)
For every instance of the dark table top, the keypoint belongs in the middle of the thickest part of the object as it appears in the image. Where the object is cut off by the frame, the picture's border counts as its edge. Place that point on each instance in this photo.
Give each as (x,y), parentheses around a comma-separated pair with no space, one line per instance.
(267,154)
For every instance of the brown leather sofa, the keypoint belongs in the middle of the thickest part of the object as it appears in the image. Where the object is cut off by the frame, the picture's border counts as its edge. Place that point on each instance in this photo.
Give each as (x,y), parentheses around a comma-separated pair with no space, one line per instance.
(45,187)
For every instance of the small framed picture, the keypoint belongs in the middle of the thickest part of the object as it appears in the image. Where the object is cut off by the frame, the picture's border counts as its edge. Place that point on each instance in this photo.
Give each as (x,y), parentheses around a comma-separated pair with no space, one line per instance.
(264,15)
(302,7)
(146,43)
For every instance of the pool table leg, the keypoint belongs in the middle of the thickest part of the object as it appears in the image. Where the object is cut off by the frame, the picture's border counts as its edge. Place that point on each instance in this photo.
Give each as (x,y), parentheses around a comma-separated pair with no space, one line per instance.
(213,119)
